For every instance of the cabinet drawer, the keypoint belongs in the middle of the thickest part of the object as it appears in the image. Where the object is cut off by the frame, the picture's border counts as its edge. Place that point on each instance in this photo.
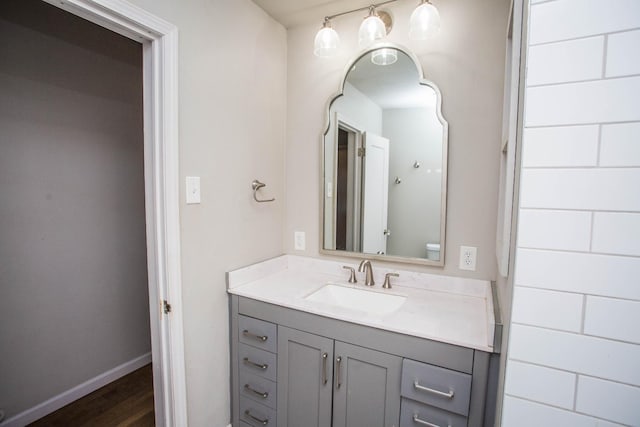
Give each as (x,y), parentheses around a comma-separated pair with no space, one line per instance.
(256,361)
(255,414)
(257,388)
(416,414)
(436,386)
(258,333)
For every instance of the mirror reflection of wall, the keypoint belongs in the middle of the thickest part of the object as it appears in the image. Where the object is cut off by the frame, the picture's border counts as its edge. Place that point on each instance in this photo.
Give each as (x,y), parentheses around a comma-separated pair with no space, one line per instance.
(383,158)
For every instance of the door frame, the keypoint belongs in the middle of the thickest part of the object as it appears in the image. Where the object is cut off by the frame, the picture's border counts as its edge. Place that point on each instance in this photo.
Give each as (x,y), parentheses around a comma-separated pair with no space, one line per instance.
(162,196)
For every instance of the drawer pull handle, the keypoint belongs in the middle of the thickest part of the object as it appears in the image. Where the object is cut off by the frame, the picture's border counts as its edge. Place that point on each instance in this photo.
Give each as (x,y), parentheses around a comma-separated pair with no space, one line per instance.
(262,394)
(262,366)
(248,334)
(256,419)
(417,420)
(338,363)
(417,386)
(324,368)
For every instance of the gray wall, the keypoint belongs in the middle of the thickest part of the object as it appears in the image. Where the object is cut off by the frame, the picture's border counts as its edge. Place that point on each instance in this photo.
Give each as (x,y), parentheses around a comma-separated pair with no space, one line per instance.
(73,276)
(232,83)
(414,204)
(466,61)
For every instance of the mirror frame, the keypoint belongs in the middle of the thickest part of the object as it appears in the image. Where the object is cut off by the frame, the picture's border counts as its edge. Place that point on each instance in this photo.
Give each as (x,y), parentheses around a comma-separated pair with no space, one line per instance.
(445,149)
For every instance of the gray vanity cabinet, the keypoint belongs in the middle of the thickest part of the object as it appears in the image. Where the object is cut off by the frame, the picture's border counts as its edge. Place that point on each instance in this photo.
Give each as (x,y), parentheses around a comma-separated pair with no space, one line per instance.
(297,369)
(305,379)
(366,387)
(364,384)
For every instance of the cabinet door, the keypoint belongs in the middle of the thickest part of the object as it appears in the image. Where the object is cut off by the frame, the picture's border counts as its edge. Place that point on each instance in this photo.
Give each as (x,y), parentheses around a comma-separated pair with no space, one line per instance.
(305,368)
(366,387)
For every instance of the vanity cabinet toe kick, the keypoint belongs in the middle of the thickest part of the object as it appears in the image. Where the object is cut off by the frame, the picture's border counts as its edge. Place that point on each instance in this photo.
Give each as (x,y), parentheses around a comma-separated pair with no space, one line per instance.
(295,369)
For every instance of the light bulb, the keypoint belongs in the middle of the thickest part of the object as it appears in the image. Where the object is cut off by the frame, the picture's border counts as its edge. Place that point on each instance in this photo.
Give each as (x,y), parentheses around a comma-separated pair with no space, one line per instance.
(424,22)
(327,41)
(384,56)
(372,29)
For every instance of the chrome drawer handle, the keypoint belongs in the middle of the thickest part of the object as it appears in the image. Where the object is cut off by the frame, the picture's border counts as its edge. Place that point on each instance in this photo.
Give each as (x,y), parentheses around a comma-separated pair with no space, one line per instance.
(248,334)
(338,363)
(256,419)
(417,386)
(417,420)
(262,394)
(257,365)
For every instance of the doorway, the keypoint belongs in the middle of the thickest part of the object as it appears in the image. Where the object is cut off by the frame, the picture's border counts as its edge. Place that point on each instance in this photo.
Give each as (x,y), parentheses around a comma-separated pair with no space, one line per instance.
(72,215)
(160,196)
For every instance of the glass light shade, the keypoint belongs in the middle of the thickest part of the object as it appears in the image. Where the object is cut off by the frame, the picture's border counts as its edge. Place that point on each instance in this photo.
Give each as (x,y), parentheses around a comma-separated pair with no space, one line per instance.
(384,56)
(326,42)
(371,30)
(424,22)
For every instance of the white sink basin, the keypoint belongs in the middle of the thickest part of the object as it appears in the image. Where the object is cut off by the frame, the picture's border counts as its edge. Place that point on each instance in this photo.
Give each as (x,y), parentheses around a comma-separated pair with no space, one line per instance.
(357,299)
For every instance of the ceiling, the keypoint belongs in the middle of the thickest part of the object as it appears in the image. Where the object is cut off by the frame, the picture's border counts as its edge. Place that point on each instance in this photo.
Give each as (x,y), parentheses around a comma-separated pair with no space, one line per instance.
(391,86)
(291,13)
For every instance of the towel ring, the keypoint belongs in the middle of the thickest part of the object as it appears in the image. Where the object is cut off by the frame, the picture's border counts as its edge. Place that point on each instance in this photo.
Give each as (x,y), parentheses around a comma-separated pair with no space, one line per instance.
(256,185)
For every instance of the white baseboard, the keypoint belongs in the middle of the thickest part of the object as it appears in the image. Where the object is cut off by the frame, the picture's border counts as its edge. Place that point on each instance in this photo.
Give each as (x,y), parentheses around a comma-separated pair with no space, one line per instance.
(64,398)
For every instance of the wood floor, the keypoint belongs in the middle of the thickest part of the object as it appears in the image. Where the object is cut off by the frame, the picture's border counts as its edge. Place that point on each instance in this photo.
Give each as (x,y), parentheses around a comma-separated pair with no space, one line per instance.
(125,402)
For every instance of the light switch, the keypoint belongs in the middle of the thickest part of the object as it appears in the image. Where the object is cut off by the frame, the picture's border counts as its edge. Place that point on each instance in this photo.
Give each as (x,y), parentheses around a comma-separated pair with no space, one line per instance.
(193,190)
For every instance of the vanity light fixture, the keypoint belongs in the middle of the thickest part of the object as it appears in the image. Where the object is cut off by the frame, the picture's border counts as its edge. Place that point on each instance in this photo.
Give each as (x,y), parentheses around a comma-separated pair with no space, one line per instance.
(372,29)
(327,40)
(424,22)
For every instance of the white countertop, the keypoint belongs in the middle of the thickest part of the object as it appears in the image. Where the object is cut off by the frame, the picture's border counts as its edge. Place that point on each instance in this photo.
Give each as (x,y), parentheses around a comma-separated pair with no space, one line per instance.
(443,308)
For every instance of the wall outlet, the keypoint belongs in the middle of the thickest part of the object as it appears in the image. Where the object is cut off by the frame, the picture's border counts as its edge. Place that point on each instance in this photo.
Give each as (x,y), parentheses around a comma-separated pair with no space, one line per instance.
(299,240)
(468,255)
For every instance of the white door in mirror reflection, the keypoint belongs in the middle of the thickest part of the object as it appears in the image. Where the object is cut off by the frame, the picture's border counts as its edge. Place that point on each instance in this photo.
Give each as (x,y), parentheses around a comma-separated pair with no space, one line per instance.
(375,194)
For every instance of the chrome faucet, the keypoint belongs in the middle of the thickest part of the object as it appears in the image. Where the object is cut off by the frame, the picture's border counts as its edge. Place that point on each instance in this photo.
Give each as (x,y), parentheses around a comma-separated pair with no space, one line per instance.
(365,265)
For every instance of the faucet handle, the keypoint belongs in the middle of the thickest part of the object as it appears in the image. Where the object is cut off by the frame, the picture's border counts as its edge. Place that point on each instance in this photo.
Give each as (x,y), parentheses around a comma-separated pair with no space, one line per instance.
(387,280)
(352,276)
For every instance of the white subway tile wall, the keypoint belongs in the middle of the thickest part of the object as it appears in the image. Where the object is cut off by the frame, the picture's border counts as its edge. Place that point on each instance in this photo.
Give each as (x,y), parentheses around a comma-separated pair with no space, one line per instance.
(608,400)
(619,145)
(611,318)
(542,384)
(574,344)
(561,146)
(569,61)
(619,62)
(558,310)
(525,413)
(616,233)
(550,229)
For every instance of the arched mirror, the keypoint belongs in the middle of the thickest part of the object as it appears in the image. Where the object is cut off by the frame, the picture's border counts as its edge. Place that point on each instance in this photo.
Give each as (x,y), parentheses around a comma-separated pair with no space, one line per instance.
(385,162)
